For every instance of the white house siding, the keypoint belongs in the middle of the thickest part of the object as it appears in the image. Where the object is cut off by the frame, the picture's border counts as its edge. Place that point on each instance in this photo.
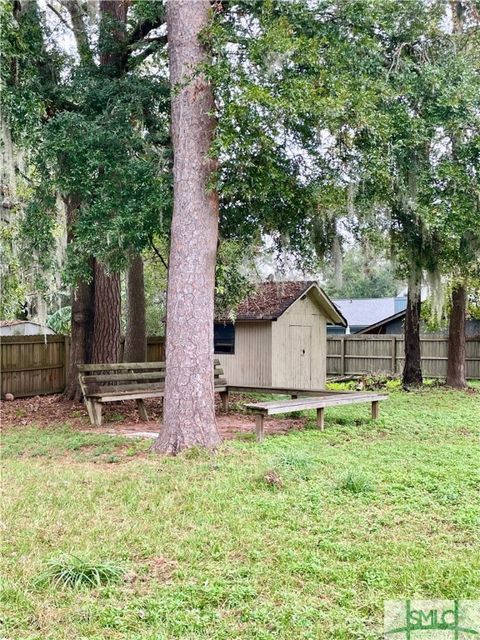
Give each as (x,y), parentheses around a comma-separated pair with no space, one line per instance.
(24,328)
(251,364)
(301,328)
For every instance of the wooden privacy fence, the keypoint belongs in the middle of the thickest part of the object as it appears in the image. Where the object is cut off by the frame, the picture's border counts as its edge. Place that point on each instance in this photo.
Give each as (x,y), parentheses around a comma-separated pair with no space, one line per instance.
(363,354)
(33,365)
(37,365)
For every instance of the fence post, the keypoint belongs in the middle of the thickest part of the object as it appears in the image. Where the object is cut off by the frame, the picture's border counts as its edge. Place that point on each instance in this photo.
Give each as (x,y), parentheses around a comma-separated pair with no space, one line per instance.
(342,356)
(66,357)
(394,355)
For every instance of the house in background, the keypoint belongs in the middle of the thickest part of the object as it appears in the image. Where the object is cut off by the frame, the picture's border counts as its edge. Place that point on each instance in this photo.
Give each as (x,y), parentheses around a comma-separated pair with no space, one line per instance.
(23,328)
(394,325)
(361,313)
(279,338)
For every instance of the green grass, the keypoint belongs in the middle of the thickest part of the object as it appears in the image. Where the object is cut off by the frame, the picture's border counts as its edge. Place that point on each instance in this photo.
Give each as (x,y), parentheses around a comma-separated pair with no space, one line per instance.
(209,549)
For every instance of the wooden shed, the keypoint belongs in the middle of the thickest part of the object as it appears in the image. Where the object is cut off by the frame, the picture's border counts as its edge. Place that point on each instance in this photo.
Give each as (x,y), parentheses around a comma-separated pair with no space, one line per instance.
(279,338)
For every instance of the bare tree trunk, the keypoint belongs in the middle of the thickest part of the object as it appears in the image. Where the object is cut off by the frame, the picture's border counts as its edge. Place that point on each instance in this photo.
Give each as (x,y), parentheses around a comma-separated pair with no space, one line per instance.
(189,407)
(82,309)
(106,322)
(456,374)
(135,335)
(412,370)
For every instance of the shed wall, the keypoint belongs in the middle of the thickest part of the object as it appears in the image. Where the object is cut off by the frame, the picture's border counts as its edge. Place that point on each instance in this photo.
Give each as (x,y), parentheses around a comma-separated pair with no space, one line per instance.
(302,326)
(251,364)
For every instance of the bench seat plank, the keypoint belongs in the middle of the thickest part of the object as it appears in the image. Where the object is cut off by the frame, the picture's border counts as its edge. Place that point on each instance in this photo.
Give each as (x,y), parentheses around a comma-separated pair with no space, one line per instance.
(302,404)
(120,366)
(104,390)
(288,391)
(133,394)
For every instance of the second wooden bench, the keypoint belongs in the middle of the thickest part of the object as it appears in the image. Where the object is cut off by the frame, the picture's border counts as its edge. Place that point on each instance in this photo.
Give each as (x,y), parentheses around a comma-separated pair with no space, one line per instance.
(319,402)
(138,381)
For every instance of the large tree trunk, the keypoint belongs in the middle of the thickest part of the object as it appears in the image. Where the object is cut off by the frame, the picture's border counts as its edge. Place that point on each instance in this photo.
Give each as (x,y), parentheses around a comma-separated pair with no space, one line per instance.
(135,335)
(456,365)
(82,309)
(456,375)
(189,407)
(81,337)
(106,322)
(106,326)
(412,370)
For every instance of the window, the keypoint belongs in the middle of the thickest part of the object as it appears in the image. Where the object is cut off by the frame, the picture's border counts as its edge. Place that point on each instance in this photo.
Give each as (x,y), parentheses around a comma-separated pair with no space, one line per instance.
(224,338)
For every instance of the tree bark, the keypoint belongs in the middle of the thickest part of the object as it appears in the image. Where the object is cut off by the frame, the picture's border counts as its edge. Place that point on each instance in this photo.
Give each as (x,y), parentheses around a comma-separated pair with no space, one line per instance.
(412,370)
(135,335)
(106,322)
(456,374)
(189,407)
(82,308)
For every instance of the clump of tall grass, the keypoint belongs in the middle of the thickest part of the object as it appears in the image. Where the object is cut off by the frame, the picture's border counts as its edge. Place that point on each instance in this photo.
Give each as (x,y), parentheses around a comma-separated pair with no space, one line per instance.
(356,482)
(70,571)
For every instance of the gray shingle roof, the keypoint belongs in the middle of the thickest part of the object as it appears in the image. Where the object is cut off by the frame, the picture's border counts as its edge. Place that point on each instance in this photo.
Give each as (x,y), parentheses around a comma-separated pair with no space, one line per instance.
(366,311)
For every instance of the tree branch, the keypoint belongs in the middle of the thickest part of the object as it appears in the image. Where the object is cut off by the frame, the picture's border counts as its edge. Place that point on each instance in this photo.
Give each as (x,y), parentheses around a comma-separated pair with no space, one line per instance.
(142,29)
(165,264)
(134,61)
(79,29)
(59,16)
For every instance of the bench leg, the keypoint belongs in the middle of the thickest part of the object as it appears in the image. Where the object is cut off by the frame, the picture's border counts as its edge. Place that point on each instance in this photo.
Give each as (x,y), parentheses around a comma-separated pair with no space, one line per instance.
(90,410)
(321,418)
(142,410)
(224,399)
(259,427)
(375,409)
(97,413)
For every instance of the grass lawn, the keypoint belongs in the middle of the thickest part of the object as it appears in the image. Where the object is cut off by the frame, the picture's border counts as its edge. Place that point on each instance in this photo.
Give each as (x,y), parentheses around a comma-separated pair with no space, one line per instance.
(303,536)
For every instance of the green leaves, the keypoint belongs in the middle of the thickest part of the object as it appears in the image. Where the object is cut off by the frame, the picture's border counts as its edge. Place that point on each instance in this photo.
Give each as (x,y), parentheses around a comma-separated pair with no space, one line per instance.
(100,140)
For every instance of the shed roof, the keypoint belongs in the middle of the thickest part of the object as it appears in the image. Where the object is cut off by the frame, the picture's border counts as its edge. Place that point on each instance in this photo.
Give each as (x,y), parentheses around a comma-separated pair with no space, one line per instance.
(271,299)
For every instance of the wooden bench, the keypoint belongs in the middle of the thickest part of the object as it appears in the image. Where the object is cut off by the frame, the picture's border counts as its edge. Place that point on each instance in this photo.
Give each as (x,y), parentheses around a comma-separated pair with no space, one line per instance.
(131,381)
(319,402)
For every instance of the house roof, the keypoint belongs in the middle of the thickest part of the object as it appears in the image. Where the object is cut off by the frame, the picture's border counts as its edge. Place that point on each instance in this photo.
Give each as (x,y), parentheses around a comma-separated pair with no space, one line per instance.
(364,312)
(271,299)
(13,323)
(383,321)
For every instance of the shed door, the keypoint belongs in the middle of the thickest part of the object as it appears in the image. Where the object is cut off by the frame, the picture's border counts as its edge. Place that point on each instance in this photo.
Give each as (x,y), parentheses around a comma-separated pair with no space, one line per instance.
(300,350)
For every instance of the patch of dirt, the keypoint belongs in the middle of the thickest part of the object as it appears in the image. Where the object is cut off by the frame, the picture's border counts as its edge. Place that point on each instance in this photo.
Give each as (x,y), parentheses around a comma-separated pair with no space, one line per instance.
(121,418)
